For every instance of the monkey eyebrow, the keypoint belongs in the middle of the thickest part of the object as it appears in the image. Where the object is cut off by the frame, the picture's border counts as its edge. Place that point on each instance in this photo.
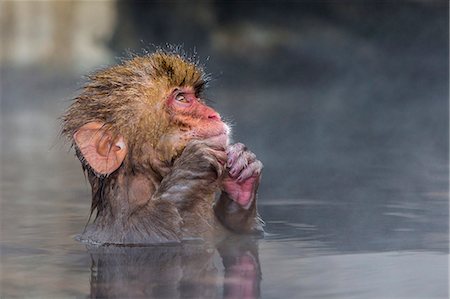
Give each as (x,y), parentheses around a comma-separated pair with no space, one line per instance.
(199,87)
(184,90)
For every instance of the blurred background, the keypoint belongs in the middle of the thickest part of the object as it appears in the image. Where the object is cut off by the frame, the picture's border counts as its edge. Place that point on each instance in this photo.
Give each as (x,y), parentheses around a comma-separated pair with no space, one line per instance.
(302,82)
(345,102)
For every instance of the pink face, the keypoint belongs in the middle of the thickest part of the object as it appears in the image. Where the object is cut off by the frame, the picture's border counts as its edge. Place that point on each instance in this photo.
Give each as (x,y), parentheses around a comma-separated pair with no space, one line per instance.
(196,118)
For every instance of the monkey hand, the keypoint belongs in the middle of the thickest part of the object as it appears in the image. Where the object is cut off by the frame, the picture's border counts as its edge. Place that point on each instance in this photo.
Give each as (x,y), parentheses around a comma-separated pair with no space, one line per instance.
(203,157)
(194,175)
(243,174)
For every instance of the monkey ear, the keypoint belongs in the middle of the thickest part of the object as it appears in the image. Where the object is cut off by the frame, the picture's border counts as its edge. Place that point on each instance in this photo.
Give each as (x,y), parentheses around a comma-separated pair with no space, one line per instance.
(103,153)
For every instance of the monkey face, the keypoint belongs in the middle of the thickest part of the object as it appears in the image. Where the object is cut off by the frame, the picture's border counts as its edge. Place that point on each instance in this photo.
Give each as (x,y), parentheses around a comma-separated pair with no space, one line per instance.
(194,119)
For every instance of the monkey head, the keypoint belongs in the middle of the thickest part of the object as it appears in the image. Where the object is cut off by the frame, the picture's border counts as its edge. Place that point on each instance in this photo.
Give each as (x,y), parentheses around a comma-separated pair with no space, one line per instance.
(141,114)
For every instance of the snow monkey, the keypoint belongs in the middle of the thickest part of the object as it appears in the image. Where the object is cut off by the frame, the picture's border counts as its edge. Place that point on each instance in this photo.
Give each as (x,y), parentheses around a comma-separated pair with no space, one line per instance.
(157,157)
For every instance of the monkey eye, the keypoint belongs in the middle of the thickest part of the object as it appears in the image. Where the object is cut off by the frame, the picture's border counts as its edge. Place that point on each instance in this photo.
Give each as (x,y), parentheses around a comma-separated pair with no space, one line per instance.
(181,98)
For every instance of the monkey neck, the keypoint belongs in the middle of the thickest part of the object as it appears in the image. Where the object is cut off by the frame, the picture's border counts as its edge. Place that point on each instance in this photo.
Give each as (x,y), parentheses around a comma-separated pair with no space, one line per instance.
(119,194)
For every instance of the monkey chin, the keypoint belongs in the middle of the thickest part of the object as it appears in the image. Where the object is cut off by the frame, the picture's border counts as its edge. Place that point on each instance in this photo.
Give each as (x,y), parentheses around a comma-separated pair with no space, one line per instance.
(223,138)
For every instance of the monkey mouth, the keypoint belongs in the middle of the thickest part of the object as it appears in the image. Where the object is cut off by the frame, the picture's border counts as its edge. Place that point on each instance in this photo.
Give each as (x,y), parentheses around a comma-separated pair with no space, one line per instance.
(221,136)
(219,132)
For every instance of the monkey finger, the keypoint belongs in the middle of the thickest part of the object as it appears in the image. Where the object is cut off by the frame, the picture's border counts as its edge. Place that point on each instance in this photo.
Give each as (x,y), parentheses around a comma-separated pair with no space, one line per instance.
(237,147)
(217,143)
(221,156)
(253,169)
(234,152)
(240,163)
(243,160)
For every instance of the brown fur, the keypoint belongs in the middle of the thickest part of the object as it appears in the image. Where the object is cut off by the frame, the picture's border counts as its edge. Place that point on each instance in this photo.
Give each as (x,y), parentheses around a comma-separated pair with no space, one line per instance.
(164,190)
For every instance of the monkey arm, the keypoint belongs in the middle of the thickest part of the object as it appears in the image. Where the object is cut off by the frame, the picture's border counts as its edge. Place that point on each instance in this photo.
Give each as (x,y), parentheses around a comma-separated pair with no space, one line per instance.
(198,174)
(236,207)
(237,218)
(191,185)
(193,176)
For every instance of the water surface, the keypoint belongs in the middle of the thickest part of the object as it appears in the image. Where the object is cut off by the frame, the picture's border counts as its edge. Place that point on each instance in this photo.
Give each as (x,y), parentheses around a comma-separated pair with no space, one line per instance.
(313,248)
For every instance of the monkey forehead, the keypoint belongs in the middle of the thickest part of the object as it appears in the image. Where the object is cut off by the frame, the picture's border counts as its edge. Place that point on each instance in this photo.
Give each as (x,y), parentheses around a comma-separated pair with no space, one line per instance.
(167,70)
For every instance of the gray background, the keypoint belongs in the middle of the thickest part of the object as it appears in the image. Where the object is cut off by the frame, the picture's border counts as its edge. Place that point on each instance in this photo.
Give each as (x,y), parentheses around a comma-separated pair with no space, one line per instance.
(329,95)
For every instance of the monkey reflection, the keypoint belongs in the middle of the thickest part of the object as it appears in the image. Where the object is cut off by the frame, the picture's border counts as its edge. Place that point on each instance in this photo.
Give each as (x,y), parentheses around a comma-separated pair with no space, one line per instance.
(242,274)
(177,271)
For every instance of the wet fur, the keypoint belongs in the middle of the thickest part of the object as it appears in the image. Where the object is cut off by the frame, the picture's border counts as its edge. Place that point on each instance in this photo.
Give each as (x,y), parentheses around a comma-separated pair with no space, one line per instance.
(176,184)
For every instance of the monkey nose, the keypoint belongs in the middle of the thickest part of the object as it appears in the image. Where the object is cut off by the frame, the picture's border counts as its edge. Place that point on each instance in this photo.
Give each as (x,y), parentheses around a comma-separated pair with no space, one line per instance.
(214,116)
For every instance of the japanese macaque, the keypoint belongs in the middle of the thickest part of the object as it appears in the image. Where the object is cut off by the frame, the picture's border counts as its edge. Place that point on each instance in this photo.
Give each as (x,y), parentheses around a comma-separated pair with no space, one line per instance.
(157,156)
